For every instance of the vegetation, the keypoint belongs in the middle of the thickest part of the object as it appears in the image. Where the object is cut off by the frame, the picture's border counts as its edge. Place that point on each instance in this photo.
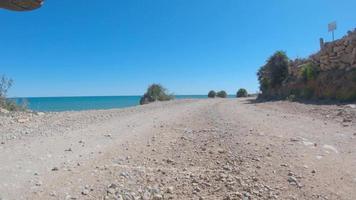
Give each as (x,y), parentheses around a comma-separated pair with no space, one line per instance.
(5,85)
(221,94)
(274,72)
(306,81)
(212,94)
(241,93)
(155,92)
(309,72)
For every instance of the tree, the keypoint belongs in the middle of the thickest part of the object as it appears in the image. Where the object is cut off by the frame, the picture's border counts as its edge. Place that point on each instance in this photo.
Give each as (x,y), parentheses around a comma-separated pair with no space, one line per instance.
(274,72)
(241,93)
(212,94)
(221,94)
(155,92)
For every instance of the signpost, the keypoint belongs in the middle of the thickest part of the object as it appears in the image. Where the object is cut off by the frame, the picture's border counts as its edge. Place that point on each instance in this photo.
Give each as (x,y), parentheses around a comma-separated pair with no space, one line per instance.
(332,27)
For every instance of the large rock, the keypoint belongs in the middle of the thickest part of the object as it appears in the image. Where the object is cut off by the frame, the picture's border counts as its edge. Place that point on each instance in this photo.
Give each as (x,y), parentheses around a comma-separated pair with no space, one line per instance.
(338,49)
(347,59)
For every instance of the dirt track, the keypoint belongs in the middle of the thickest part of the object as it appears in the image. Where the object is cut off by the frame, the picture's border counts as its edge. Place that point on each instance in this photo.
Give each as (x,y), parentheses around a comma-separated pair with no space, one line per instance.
(185,149)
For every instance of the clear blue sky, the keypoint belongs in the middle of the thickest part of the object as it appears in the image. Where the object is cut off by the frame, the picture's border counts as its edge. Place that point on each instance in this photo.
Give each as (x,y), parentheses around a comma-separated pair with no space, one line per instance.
(118,47)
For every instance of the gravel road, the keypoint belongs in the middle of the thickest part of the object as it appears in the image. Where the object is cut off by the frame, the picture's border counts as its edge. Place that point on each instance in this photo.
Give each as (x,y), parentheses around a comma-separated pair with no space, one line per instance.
(184,149)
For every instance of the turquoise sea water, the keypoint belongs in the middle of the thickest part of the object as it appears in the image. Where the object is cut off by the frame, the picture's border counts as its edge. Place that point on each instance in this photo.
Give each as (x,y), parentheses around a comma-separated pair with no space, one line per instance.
(57,104)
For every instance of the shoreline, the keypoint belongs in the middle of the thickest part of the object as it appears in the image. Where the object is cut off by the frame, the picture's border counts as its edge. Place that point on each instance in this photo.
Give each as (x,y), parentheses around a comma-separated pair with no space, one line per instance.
(59,104)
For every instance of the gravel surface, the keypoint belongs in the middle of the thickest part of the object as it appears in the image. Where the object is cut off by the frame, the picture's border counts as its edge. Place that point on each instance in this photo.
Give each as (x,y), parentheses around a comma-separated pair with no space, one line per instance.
(184,149)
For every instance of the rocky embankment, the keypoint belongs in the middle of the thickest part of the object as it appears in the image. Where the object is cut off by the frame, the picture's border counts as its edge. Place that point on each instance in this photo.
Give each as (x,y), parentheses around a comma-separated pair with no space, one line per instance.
(190,149)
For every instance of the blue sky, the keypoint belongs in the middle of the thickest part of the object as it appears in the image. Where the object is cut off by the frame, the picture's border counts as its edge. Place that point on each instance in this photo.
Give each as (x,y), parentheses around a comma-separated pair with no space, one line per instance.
(118,47)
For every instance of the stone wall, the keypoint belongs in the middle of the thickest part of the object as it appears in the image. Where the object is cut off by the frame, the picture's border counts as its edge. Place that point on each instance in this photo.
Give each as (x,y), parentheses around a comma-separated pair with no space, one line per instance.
(337,55)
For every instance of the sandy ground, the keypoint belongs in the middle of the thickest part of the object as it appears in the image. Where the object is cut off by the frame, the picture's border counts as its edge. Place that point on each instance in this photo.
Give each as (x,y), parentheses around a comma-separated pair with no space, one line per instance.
(184,149)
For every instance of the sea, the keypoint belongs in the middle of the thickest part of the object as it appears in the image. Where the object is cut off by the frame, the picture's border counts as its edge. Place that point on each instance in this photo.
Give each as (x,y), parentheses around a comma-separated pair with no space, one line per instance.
(59,104)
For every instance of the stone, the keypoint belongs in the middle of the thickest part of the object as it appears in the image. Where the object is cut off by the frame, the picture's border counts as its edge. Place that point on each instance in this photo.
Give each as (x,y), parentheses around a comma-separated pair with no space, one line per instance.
(157,197)
(293,181)
(347,58)
(338,48)
(23,120)
(170,190)
(55,169)
(221,151)
(40,113)
(39,183)
(2,110)
(352,106)
(85,192)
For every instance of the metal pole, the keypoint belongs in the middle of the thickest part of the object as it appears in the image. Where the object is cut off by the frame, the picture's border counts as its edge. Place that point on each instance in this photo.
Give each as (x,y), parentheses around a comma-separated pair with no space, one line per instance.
(333,36)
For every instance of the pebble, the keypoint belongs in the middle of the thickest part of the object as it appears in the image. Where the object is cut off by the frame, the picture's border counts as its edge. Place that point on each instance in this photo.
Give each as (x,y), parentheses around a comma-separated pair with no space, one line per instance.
(221,151)
(55,169)
(157,197)
(85,192)
(23,120)
(170,190)
(39,183)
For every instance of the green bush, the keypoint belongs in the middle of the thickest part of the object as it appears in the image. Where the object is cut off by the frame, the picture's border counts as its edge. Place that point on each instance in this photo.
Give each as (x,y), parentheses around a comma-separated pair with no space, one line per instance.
(274,72)
(221,94)
(212,94)
(155,92)
(241,93)
(5,103)
(309,72)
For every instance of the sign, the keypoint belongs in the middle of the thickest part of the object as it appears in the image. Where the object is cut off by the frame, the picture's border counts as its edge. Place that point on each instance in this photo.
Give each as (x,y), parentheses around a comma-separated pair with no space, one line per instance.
(332,26)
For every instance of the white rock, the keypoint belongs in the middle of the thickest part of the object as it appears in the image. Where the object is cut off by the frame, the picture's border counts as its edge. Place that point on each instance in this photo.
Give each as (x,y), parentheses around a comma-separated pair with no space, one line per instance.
(2,110)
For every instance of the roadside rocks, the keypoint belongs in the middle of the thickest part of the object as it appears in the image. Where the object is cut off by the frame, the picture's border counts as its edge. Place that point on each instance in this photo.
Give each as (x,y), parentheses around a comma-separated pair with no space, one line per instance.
(115,192)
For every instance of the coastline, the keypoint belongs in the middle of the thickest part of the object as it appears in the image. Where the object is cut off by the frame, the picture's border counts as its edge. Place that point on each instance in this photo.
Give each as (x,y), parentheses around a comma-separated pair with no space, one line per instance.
(78,103)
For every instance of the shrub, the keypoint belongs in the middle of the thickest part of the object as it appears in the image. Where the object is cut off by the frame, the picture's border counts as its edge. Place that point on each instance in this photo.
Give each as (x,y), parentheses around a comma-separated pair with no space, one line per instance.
(291,98)
(309,72)
(212,94)
(221,94)
(274,72)
(155,92)
(5,85)
(241,93)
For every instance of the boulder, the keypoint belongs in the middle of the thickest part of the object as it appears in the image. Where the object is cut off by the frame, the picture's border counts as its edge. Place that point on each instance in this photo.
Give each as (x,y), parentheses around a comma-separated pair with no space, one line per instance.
(346,58)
